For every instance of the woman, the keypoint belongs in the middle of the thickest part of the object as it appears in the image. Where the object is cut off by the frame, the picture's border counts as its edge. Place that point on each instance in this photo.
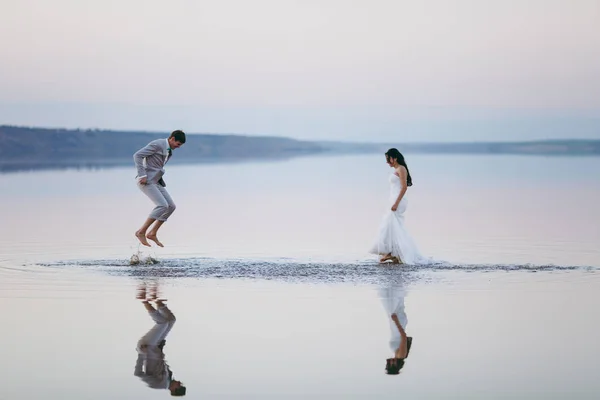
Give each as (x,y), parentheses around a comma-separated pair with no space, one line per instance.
(394,243)
(395,364)
(392,297)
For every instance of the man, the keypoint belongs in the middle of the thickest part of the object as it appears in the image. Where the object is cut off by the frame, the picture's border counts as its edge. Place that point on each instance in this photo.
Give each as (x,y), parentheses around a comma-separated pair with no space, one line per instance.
(150,162)
(150,365)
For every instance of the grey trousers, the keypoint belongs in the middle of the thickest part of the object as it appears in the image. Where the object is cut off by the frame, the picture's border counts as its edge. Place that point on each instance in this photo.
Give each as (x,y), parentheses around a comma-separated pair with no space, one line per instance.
(161,198)
(164,320)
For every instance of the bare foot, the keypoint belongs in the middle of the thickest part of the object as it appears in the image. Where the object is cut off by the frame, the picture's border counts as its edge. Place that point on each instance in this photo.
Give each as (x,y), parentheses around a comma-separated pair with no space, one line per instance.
(396,260)
(152,236)
(141,293)
(153,293)
(142,238)
(385,258)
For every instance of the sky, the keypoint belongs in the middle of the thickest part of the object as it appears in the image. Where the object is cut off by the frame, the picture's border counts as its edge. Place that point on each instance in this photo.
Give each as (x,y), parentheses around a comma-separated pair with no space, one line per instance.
(359,70)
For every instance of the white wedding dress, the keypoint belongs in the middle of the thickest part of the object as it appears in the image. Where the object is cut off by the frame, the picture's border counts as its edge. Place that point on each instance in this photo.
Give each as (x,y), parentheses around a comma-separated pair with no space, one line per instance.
(392,298)
(393,237)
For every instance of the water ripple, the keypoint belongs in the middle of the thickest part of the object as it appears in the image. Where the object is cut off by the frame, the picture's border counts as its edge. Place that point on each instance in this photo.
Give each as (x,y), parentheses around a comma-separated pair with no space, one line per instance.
(293,271)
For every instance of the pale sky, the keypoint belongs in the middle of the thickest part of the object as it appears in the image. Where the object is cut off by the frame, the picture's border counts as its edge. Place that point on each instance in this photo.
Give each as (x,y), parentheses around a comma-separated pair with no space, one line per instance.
(416,70)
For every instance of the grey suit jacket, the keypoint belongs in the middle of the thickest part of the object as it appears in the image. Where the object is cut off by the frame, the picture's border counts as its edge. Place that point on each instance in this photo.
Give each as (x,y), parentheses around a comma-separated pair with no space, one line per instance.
(152,368)
(150,161)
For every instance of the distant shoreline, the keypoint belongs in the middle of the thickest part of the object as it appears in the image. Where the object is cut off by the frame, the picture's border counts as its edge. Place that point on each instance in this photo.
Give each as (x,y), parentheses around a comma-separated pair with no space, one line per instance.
(23,148)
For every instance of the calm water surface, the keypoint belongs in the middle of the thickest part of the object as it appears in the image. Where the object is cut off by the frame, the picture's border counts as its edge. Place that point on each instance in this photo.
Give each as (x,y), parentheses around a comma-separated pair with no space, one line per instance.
(266,271)
(479,209)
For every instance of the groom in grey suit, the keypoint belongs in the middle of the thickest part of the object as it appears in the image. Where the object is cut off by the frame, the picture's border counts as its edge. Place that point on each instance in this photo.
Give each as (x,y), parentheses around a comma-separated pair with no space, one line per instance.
(150,162)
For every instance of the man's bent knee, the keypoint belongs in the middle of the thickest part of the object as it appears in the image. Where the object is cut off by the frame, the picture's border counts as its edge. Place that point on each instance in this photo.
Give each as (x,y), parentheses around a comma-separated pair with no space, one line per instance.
(161,209)
(159,212)
(168,211)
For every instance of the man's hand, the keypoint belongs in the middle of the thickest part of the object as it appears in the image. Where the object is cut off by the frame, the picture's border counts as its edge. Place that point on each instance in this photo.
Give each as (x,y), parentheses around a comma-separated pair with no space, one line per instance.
(143,181)
(394,207)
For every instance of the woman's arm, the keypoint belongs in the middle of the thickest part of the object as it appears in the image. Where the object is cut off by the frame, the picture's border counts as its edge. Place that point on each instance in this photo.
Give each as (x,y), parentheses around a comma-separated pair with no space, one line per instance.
(402,351)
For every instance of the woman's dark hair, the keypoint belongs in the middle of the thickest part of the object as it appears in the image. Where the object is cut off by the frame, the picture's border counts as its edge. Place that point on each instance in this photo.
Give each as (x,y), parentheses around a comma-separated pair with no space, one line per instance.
(393,366)
(394,153)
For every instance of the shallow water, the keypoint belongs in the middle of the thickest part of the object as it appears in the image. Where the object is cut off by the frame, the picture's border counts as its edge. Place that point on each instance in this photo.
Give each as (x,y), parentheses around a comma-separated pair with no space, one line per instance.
(498,334)
(266,272)
(474,210)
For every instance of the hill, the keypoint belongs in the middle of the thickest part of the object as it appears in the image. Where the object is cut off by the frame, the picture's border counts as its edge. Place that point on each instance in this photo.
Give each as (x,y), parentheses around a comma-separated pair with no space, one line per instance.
(23,148)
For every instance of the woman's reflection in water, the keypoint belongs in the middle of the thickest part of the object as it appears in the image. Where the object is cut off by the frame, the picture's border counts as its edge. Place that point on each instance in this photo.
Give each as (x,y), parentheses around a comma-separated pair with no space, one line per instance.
(150,365)
(392,297)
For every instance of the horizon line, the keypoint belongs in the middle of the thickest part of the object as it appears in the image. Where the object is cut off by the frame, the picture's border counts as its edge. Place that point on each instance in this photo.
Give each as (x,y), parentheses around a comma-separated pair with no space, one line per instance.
(554,140)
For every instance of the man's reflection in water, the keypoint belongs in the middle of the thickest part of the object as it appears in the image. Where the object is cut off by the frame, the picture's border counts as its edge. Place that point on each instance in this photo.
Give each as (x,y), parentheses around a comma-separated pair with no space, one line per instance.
(392,297)
(150,365)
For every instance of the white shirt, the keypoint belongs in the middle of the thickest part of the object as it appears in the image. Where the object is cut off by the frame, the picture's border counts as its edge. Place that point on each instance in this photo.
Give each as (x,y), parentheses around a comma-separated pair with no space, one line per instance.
(167,152)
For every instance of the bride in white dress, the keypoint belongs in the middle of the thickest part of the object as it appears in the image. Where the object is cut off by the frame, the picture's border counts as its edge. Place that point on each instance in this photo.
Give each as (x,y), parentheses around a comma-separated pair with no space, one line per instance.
(393,242)
(392,297)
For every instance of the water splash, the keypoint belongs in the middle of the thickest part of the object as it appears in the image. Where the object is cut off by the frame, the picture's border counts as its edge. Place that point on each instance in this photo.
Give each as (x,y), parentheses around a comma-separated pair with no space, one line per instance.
(139,259)
(291,270)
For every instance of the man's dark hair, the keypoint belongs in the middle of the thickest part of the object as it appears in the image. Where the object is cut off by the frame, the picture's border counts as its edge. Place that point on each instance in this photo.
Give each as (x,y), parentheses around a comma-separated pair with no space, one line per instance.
(180,391)
(179,136)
